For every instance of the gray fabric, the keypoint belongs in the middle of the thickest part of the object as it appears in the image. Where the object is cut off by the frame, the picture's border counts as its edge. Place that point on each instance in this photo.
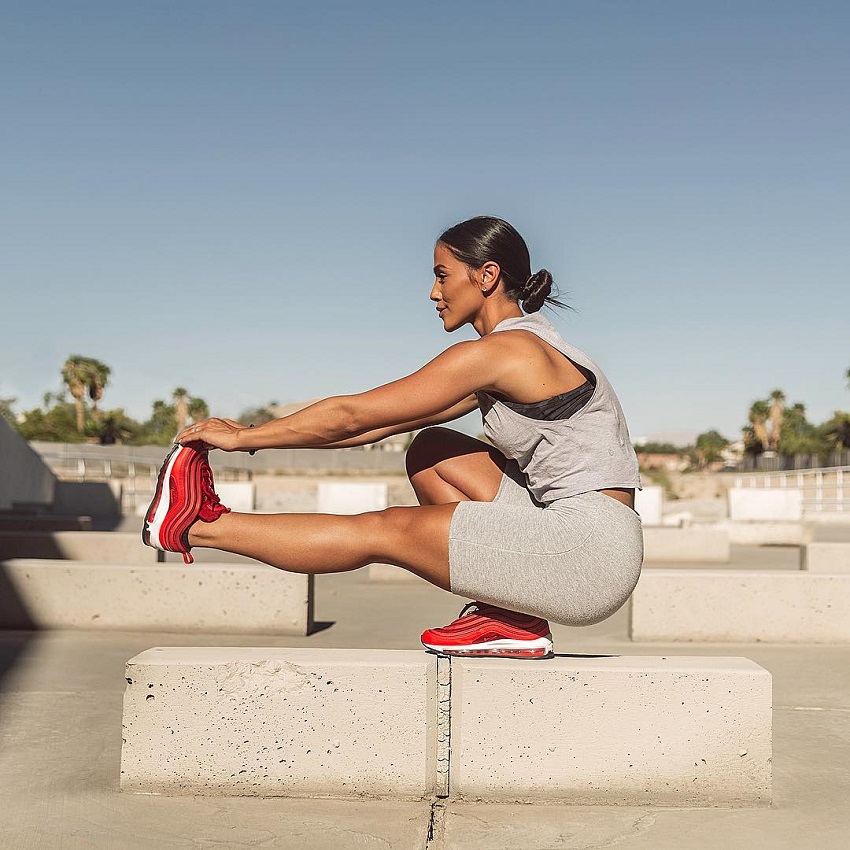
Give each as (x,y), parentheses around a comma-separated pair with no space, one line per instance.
(589,451)
(574,561)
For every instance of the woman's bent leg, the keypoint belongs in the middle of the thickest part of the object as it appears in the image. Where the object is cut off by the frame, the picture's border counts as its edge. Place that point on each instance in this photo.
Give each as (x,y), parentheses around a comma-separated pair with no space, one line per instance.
(416,538)
(446,466)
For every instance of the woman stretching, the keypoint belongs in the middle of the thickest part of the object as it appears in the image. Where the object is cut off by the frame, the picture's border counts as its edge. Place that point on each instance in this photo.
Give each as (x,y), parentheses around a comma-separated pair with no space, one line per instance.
(537,526)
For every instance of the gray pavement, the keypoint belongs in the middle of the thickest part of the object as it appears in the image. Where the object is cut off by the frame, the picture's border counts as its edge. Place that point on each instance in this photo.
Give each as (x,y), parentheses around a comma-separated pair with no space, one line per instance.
(60,740)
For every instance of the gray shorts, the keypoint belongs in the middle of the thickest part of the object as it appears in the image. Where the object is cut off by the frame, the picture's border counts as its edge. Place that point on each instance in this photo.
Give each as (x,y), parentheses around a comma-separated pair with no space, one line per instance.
(574,561)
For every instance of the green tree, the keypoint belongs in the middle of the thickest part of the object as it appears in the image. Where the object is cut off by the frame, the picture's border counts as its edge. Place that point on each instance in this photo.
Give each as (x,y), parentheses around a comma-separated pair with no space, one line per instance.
(198,409)
(7,412)
(98,378)
(161,428)
(181,407)
(836,430)
(75,374)
(709,446)
(56,422)
(799,436)
(116,428)
(257,415)
(757,416)
(777,397)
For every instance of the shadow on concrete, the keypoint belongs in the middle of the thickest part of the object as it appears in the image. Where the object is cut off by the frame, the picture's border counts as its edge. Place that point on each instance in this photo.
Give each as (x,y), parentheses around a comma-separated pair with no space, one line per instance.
(16,626)
(14,614)
(581,655)
(320,626)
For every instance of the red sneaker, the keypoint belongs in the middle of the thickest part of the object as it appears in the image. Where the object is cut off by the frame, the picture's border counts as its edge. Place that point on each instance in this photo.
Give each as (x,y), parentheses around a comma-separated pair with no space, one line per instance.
(184,493)
(487,630)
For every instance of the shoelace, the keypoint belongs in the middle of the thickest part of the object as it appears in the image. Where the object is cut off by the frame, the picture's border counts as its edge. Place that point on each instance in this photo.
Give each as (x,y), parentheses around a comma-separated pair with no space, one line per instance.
(207,486)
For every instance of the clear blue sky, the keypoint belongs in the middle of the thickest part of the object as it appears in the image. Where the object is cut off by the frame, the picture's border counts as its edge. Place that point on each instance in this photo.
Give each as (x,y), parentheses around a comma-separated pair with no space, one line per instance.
(242,198)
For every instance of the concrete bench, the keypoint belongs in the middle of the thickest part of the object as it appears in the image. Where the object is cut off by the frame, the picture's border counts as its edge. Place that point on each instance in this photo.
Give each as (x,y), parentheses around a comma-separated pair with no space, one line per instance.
(686,544)
(764,533)
(404,724)
(720,605)
(766,504)
(106,547)
(353,498)
(392,573)
(229,598)
(827,557)
(280,722)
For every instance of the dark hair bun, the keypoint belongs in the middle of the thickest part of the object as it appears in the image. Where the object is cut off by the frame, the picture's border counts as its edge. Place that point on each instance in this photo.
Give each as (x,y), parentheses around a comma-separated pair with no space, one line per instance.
(536,290)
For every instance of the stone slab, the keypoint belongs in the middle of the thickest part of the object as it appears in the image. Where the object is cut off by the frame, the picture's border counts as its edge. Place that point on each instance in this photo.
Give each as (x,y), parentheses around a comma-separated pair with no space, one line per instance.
(228,598)
(649,503)
(827,557)
(766,504)
(353,498)
(106,547)
(764,533)
(742,606)
(614,730)
(280,722)
(237,495)
(686,544)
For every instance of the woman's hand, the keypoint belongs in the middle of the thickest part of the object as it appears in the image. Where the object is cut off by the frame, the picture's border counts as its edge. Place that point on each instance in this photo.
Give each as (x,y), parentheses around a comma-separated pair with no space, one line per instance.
(213,433)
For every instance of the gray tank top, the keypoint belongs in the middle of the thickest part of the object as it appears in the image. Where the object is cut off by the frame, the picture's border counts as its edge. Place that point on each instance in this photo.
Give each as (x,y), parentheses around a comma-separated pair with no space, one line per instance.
(564,457)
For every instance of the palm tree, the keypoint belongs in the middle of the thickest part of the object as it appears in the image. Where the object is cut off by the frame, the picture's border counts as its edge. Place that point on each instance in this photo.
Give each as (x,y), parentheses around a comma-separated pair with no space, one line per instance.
(98,378)
(181,407)
(198,409)
(759,411)
(776,399)
(75,374)
(837,430)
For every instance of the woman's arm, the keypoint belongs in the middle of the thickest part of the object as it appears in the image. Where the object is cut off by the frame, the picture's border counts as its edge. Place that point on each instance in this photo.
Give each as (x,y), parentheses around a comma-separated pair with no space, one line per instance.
(437,388)
(468,404)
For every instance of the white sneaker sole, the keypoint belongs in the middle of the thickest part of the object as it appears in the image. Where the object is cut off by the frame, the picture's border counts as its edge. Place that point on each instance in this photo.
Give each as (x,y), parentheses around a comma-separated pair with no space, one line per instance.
(505,648)
(152,528)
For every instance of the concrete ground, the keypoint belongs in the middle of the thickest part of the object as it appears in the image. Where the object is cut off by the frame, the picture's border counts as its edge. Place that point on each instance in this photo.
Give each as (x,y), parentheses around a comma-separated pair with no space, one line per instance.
(60,740)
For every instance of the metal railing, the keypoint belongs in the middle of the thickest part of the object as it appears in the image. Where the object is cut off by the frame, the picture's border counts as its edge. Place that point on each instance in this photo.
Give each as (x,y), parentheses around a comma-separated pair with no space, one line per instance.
(136,476)
(823,489)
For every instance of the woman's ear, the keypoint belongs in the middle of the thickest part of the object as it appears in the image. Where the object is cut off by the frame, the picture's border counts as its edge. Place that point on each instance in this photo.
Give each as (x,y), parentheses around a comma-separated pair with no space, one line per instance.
(489,276)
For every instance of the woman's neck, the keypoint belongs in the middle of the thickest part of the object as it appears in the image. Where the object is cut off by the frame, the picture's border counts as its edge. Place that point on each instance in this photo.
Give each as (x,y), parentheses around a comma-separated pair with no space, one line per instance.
(492,314)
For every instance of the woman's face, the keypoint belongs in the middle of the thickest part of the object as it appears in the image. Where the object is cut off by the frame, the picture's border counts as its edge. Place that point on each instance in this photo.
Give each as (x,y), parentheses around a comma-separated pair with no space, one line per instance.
(457,295)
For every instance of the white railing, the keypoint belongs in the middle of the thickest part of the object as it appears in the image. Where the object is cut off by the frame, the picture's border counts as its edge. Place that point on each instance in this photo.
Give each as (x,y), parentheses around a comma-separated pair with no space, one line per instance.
(136,476)
(823,489)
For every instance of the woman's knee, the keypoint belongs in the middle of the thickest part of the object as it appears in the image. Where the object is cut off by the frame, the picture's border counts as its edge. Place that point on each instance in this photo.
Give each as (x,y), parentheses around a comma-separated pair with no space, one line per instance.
(429,447)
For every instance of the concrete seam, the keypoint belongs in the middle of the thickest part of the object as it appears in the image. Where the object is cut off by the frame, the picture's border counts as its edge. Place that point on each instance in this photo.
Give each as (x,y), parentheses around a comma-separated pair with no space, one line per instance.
(444,726)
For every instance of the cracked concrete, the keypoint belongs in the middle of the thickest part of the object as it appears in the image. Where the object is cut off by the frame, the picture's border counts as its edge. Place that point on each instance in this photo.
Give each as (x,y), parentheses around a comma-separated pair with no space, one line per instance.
(60,739)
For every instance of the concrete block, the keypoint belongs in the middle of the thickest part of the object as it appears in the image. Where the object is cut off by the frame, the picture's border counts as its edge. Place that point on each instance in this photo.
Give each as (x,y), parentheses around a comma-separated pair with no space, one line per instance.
(613,730)
(92,498)
(766,504)
(354,498)
(686,544)
(649,503)
(391,573)
(280,722)
(229,598)
(721,605)
(94,547)
(237,495)
(764,533)
(827,557)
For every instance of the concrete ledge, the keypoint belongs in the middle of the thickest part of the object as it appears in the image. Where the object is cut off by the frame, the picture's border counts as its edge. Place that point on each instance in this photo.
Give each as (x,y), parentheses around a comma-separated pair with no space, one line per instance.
(720,605)
(686,544)
(765,533)
(765,503)
(229,598)
(280,722)
(95,547)
(636,731)
(827,557)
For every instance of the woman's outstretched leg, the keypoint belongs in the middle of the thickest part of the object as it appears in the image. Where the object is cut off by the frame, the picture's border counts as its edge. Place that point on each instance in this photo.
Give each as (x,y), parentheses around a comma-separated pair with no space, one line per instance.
(416,538)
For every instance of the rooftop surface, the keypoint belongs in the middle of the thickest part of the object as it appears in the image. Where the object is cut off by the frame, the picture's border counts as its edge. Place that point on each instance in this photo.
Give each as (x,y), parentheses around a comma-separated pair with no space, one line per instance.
(60,743)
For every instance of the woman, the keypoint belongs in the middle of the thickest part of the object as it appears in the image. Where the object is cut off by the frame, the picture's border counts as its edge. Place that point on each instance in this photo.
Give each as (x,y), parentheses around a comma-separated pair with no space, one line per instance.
(540,525)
